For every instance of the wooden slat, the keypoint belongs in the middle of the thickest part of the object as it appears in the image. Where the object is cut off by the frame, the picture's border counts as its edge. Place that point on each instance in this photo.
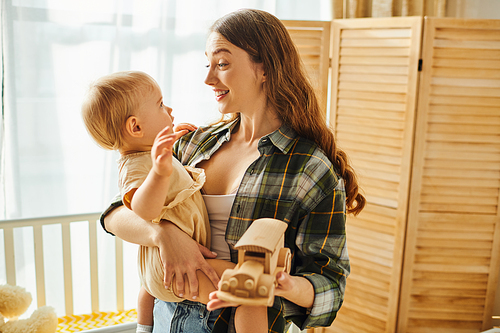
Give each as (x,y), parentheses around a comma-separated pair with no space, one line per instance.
(467,34)
(375,78)
(374,60)
(466,91)
(466,63)
(364,104)
(392,70)
(379,167)
(467,44)
(10,262)
(474,83)
(374,157)
(372,87)
(39,265)
(361,320)
(376,33)
(67,267)
(464,119)
(120,300)
(486,73)
(94,282)
(353,110)
(396,53)
(375,96)
(374,42)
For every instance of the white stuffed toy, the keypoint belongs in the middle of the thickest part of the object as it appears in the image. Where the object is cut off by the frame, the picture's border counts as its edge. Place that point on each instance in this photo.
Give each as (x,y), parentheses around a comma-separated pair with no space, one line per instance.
(14,301)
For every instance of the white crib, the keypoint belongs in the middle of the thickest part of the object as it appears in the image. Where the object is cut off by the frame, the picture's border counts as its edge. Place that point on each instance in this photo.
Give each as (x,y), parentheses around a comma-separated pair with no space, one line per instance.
(70,263)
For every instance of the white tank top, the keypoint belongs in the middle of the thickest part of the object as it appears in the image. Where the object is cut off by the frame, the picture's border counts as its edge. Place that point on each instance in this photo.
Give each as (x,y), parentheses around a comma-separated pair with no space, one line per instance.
(219,208)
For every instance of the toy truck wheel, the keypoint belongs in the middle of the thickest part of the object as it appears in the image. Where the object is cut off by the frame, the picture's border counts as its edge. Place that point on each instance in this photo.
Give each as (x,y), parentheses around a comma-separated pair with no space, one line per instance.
(265,287)
(226,280)
(284,259)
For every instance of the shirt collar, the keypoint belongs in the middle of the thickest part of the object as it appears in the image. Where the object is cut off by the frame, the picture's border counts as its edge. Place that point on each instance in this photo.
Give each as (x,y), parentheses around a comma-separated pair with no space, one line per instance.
(283,138)
(226,127)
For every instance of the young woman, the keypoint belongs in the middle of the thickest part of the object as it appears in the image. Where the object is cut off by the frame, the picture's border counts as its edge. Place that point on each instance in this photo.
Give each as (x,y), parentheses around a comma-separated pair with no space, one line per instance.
(272,155)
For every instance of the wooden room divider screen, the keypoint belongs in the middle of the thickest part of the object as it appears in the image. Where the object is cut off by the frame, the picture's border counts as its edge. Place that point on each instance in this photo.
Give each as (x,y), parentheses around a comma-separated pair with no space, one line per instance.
(425,251)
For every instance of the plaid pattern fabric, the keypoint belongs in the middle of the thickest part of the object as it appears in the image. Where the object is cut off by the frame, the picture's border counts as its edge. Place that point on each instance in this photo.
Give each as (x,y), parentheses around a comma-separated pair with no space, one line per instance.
(292,181)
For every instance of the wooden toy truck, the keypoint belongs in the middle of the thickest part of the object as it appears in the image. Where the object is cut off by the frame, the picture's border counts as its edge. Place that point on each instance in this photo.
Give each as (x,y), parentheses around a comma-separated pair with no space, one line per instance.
(261,255)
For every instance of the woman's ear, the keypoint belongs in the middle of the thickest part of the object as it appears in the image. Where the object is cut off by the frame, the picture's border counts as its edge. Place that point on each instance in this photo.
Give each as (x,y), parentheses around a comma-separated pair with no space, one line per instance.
(260,73)
(133,128)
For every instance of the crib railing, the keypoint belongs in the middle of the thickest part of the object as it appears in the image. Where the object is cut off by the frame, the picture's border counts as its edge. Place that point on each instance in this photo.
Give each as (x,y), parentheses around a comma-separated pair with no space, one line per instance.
(58,248)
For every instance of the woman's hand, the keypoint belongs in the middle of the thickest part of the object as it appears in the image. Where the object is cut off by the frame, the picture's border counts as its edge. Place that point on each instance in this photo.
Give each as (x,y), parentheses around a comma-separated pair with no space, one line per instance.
(182,257)
(185,126)
(294,288)
(216,303)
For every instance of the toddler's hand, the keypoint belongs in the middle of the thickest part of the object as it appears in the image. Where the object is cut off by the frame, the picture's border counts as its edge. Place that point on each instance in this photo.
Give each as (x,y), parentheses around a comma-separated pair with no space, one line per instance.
(161,152)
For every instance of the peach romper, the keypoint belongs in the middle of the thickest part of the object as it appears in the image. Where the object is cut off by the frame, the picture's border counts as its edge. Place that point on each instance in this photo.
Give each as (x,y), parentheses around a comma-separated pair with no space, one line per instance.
(184,207)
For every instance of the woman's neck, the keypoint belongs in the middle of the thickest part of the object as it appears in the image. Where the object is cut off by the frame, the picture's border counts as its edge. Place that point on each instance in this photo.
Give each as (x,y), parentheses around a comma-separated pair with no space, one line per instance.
(252,128)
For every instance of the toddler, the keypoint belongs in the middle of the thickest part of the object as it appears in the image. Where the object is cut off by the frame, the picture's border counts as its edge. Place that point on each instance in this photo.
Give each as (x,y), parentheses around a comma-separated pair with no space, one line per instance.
(124,111)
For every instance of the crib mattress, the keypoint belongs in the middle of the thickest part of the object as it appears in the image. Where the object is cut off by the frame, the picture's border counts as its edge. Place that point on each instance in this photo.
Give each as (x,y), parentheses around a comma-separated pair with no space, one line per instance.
(79,323)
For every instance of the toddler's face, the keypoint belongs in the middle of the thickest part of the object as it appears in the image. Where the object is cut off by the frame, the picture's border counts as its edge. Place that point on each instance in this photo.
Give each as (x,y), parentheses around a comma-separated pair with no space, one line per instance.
(155,115)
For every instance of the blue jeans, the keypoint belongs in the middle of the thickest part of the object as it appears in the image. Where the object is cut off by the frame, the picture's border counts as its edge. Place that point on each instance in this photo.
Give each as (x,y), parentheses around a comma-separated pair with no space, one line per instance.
(184,317)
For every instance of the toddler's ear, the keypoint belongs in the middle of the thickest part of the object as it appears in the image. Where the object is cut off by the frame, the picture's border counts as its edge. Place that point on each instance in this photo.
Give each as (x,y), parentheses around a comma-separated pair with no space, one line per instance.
(133,128)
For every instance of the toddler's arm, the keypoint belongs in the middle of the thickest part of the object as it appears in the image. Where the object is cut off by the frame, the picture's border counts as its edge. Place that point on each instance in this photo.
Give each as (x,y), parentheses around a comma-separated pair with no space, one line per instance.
(149,198)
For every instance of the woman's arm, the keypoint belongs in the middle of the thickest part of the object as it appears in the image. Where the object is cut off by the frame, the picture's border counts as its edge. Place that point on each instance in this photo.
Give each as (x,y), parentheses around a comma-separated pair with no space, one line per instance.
(324,262)
(180,254)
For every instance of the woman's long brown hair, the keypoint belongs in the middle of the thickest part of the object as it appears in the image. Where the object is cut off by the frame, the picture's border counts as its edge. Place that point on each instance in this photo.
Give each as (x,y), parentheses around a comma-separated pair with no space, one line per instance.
(288,89)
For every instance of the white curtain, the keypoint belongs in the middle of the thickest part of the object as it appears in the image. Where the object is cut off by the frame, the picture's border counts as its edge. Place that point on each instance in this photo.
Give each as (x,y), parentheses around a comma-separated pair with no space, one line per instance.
(52,49)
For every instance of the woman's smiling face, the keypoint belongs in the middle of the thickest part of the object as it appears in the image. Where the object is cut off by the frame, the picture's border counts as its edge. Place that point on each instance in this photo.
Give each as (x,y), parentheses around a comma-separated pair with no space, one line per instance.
(235,79)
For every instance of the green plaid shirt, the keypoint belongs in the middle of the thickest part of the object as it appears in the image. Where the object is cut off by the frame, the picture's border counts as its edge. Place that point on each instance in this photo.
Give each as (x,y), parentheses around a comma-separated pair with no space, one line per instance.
(295,182)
